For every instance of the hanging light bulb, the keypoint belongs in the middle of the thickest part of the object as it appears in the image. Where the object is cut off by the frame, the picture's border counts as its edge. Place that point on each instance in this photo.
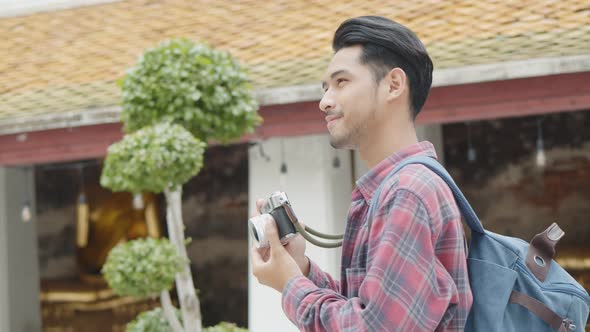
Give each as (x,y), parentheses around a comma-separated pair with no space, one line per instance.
(540,159)
(336,160)
(138,203)
(283,169)
(25,213)
(283,177)
(283,163)
(471,153)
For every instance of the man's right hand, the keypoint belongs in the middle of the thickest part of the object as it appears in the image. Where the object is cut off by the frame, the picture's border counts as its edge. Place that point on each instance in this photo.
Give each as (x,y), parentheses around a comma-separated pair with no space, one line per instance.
(295,247)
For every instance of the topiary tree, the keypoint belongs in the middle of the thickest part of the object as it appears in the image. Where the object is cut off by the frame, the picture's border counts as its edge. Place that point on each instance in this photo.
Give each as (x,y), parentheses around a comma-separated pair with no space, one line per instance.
(155,321)
(177,97)
(158,158)
(203,89)
(143,267)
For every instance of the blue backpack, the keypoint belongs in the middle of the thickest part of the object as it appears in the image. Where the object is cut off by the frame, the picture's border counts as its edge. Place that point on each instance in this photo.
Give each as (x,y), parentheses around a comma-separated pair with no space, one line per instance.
(516,286)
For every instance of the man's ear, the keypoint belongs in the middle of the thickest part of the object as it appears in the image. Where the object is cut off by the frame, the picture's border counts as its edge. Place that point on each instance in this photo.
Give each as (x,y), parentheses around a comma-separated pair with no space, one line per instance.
(396,81)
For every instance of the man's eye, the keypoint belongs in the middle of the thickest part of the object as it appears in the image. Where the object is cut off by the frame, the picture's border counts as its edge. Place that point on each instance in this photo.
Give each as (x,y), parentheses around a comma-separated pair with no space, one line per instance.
(340,81)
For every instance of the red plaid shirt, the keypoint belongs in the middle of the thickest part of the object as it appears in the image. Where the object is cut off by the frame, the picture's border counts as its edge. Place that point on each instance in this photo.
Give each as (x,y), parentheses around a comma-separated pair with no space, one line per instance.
(408,274)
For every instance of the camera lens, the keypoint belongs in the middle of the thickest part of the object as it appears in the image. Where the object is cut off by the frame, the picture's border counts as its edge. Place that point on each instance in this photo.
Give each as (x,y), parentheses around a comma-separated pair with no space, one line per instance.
(257,229)
(255,234)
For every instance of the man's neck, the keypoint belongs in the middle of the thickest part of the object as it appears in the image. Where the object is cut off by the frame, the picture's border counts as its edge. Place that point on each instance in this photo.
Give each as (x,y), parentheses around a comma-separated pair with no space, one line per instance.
(385,142)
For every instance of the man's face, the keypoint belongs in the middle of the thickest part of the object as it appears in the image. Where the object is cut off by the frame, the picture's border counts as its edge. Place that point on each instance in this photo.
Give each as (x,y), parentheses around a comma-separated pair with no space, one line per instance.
(351,98)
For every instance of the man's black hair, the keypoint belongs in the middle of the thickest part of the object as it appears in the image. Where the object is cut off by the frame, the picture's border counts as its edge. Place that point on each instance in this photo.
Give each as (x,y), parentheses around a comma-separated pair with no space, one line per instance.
(386,45)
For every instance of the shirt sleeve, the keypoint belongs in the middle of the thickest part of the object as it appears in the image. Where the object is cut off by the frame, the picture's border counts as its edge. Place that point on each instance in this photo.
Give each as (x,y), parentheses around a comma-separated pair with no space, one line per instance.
(322,279)
(405,288)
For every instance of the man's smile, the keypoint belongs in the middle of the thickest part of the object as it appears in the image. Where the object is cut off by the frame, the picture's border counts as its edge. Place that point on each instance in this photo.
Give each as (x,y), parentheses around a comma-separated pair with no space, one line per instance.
(331,119)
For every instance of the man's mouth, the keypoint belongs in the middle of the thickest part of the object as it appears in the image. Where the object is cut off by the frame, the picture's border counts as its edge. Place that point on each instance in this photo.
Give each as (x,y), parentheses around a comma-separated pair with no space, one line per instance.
(331,118)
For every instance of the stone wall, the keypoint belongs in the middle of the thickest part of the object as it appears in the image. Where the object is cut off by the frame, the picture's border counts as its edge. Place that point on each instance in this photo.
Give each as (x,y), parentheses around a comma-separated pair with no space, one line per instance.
(508,191)
(215,210)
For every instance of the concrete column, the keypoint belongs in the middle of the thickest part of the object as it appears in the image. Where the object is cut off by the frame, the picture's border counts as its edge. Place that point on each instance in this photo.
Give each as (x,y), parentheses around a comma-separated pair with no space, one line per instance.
(434,134)
(19,271)
(320,194)
(360,168)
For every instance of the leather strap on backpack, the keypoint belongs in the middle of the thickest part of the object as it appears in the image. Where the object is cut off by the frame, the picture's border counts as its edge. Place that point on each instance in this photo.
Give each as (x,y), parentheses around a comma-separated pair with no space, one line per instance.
(542,249)
(542,311)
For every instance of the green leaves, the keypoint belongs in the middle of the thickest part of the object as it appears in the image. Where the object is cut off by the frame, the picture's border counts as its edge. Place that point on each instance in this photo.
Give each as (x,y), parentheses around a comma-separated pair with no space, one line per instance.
(204,90)
(224,327)
(142,267)
(155,321)
(152,159)
(151,321)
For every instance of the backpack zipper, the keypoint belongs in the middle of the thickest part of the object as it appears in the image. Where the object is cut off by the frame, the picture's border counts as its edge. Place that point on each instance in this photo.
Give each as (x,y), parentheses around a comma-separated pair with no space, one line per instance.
(571,290)
(569,324)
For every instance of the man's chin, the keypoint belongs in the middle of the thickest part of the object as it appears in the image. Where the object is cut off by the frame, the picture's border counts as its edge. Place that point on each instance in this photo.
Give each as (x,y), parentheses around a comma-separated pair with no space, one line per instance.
(339,142)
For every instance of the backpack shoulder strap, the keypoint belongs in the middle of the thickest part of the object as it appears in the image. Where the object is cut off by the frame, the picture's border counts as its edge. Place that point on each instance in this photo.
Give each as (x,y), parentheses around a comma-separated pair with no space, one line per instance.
(466,209)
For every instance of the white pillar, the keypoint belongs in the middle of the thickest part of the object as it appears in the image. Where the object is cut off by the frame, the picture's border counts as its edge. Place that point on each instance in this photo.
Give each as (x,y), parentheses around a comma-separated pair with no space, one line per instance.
(320,194)
(360,167)
(19,270)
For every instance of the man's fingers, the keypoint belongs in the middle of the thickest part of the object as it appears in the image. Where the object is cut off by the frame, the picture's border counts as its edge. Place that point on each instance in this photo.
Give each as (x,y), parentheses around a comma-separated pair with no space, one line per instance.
(272,234)
(257,259)
(264,253)
(259,204)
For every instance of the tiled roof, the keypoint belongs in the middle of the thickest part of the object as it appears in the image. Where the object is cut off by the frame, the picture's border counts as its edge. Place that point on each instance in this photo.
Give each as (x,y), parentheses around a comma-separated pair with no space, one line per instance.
(68,61)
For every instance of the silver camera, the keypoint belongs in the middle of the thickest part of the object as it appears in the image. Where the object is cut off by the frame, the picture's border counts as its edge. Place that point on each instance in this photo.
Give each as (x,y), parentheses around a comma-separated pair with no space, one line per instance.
(279,207)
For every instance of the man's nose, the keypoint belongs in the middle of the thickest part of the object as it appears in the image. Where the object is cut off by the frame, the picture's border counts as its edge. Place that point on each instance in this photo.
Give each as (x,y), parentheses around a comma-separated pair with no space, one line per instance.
(326,103)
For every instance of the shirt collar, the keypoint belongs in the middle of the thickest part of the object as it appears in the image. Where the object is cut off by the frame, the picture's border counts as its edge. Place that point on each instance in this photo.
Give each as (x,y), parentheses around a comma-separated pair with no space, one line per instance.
(369,182)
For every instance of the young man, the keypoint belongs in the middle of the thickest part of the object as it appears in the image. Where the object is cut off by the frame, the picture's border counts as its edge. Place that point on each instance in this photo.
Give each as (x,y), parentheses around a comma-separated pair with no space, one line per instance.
(409,272)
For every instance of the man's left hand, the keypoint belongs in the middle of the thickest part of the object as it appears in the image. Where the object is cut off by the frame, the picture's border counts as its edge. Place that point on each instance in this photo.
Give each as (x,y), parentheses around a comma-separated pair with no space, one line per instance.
(273,266)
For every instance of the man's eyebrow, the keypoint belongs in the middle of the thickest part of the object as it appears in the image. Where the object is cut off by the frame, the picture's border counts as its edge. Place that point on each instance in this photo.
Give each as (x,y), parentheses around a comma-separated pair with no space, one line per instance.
(334,74)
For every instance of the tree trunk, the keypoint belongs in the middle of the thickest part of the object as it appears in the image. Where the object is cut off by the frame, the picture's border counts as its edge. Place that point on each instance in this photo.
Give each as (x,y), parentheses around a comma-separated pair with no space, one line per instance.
(189,303)
(169,312)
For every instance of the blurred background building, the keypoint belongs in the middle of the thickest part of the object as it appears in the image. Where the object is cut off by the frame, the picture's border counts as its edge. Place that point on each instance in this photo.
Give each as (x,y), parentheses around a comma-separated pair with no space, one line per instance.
(508,114)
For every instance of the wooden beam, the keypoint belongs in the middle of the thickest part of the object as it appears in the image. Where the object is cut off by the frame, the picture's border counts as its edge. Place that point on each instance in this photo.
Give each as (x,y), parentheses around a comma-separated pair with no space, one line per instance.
(58,144)
(470,102)
(511,98)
